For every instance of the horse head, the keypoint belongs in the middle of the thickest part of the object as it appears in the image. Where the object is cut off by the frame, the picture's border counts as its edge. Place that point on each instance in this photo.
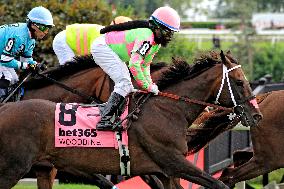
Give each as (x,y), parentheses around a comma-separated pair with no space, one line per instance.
(232,89)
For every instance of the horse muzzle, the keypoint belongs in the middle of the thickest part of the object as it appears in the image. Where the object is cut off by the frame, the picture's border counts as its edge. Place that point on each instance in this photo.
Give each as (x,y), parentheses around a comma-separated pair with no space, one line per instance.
(248,119)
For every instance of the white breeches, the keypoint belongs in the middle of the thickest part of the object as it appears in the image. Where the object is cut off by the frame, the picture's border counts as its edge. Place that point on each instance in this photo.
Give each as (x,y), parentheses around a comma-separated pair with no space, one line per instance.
(62,50)
(110,62)
(9,74)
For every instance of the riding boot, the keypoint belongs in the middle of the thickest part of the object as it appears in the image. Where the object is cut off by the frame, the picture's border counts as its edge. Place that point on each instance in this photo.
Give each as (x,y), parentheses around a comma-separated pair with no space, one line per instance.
(108,110)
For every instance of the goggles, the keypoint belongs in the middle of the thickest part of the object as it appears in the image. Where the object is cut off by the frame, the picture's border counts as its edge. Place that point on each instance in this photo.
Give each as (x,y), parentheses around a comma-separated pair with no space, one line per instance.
(166,32)
(42,27)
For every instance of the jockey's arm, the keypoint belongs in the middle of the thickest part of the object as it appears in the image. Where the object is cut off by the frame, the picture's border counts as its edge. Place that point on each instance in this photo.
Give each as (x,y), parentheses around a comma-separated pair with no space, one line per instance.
(147,61)
(8,59)
(137,67)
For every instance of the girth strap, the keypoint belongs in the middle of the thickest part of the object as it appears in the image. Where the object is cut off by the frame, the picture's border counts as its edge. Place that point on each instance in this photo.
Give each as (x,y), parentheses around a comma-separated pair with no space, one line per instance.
(124,155)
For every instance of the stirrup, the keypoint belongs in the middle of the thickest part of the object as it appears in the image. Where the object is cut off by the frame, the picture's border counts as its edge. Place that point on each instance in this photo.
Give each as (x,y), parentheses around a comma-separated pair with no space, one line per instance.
(105,124)
(101,127)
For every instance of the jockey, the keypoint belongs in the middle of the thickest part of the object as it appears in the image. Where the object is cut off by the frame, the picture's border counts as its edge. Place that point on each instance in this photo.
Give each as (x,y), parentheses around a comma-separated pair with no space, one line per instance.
(135,42)
(17,42)
(77,39)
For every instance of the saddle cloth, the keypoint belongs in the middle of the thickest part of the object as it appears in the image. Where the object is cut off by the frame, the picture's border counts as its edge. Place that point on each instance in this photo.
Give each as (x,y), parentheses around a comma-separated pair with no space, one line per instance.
(75,126)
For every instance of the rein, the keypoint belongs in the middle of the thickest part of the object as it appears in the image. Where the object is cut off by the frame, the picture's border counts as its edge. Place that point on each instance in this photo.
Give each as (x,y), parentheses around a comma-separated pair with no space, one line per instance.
(188,100)
(75,91)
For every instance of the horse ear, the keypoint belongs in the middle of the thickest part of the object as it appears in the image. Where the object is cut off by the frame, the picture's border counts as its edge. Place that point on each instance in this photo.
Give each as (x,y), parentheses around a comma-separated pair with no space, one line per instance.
(174,60)
(223,58)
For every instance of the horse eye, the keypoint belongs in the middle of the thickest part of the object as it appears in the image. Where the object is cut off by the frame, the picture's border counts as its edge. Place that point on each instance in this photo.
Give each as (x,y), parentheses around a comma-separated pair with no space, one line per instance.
(240,82)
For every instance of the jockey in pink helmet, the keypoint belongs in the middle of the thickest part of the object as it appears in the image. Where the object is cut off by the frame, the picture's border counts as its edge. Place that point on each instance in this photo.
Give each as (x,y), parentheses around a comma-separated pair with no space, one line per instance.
(131,46)
(168,21)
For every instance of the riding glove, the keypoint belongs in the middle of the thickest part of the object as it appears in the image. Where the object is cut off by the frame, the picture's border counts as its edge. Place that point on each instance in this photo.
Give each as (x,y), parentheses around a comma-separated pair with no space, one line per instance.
(154,89)
(33,67)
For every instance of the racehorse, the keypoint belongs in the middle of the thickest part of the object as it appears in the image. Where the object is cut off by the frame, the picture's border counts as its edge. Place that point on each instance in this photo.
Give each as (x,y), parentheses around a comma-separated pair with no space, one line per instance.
(83,75)
(267,142)
(156,147)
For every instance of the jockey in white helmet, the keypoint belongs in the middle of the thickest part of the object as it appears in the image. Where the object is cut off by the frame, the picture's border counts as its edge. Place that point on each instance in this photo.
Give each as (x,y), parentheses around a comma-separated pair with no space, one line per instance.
(17,42)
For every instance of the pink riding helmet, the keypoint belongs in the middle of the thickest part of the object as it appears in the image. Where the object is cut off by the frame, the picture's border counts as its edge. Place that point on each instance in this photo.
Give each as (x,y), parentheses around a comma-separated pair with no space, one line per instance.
(167,17)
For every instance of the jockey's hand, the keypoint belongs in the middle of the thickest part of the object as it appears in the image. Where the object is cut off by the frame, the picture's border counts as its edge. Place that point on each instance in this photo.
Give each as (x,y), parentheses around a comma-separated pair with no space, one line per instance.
(154,89)
(33,68)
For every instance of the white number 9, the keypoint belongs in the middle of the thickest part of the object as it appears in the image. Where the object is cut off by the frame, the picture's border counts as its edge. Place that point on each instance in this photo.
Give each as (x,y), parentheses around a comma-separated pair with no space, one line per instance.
(9,45)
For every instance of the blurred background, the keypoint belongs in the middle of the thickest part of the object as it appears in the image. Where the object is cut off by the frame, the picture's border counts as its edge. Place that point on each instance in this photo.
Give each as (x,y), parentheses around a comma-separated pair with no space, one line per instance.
(252,30)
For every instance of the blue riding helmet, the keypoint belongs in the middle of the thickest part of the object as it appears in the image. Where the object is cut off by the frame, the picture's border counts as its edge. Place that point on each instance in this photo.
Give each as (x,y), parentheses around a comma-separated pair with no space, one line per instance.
(41,15)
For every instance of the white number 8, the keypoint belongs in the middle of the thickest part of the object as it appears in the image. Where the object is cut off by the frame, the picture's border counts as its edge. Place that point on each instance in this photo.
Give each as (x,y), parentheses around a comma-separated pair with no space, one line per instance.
(144,48)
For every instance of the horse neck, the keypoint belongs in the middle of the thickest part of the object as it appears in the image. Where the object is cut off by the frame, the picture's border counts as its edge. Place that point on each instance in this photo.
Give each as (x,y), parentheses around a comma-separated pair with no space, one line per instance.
(90,81)
(198,88)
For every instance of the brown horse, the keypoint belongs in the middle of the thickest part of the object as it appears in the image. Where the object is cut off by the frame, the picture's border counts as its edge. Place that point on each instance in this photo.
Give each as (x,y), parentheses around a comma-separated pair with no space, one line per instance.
(81,74)
(162,150)
(267,142)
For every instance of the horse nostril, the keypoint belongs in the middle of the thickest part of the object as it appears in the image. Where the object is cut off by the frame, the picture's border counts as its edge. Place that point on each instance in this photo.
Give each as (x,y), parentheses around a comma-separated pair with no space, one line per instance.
(257,117)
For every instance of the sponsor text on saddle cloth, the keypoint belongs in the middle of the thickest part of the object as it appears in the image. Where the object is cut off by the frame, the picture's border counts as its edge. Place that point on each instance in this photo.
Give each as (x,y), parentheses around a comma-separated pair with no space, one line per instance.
(75,126)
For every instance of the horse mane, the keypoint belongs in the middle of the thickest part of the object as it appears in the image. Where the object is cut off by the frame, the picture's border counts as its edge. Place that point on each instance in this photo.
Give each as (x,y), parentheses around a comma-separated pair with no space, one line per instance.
(181,70)
(79,63)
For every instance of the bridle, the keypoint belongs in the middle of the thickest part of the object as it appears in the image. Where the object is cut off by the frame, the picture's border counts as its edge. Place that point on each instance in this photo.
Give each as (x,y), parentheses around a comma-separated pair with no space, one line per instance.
(237,107)
(226,77)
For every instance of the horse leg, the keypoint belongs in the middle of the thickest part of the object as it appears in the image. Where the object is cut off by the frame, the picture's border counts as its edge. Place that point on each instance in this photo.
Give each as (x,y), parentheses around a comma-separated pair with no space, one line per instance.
(168,182)
(152,181)
(251,169)
(45,174)
(182,168)
(101,181)
(76,175)
(12,170)
(241,157)
(173,182)
(176,182)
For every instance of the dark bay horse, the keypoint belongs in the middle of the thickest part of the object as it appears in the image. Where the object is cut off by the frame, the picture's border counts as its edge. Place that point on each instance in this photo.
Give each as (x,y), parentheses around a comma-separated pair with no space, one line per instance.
(81,74)
(161,149)
(267,142)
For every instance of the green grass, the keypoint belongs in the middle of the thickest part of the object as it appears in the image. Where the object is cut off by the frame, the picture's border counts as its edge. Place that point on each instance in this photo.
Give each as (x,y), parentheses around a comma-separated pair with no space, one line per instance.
(60,186)
(273,176)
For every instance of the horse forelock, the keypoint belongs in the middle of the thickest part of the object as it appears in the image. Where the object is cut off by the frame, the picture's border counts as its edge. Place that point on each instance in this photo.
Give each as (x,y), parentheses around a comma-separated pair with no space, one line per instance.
(76,65)
(181,70)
